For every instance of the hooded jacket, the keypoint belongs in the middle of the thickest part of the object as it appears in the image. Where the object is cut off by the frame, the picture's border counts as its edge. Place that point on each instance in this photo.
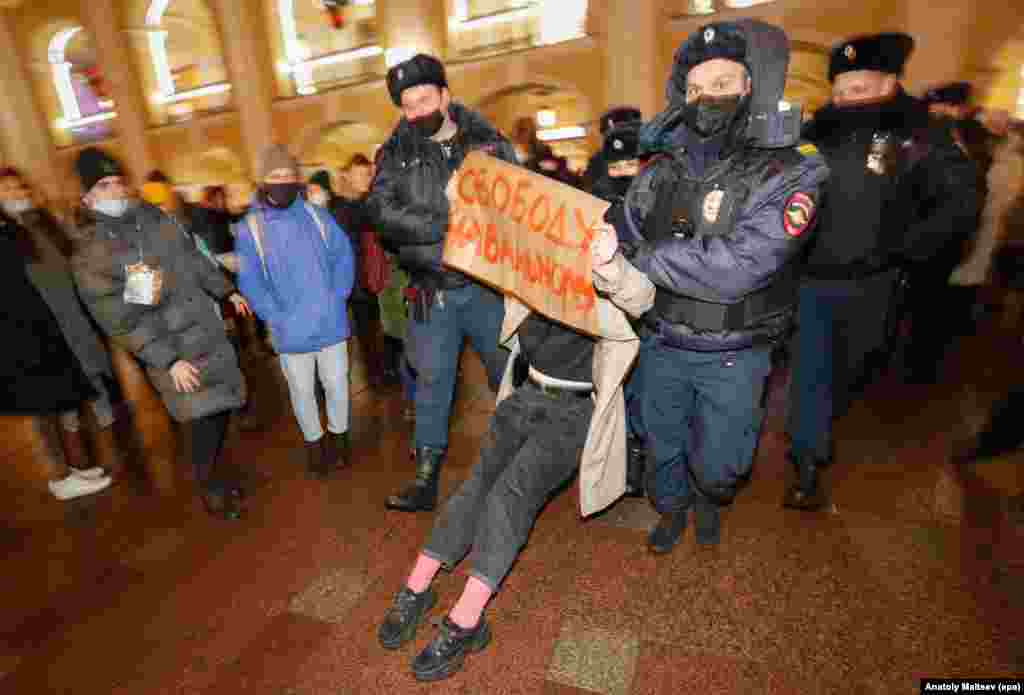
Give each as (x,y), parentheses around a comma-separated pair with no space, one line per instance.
(183,325)
(746,246)
(407,201)
(301,284)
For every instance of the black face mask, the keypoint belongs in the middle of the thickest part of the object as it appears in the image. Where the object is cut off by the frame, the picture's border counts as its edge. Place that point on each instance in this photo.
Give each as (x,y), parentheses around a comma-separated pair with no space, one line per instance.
(281,195)
(429,125)
(710,116)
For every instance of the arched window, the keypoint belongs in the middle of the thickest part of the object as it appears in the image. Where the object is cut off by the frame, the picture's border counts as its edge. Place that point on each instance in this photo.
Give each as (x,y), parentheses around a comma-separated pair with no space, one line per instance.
(327,43)
(85,106)
(185,74)
(1020,95)
(486,27)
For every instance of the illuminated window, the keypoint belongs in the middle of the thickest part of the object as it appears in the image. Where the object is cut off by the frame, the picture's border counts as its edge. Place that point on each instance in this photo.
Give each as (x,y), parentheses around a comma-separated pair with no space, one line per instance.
(187,74)
(699,7)
(328,43)
(1020,95)
(85,107)
(479,27)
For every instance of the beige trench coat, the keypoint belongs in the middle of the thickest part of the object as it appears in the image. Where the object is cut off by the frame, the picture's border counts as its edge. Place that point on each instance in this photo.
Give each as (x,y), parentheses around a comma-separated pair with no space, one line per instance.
(603,462)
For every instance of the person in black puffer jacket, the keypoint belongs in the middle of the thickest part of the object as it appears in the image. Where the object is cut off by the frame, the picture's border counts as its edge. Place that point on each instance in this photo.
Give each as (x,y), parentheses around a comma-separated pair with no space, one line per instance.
(409,209)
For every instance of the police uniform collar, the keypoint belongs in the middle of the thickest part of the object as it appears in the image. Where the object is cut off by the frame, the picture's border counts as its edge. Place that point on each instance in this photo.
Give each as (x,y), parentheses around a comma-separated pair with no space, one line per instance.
(901,114)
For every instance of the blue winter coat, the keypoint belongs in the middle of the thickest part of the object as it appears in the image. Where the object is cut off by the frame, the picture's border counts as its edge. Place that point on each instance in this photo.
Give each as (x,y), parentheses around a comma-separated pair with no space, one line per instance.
(301,285)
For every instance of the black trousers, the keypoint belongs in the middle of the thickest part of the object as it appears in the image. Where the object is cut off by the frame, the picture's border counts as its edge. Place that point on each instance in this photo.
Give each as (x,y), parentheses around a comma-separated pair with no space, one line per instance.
(205,441)
(939,313)
(366,317)
(1003,432)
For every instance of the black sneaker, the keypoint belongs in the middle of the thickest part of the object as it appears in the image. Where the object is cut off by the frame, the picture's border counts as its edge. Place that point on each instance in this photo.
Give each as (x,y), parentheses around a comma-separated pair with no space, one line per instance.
(445,654)
(404,616)
(666,534)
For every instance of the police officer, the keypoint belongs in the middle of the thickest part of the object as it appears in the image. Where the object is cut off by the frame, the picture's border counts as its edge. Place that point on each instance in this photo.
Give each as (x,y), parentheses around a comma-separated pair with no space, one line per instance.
(716,220)
(597,167)
(410,210)
(900,189)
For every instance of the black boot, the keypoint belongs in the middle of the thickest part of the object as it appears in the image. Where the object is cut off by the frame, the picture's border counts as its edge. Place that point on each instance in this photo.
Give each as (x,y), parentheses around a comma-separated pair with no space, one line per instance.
(421,494)
(636,462)
(445,654)
(316,460)
(666,534)
(806,493)
(338,449)
(707,521)
(405,615)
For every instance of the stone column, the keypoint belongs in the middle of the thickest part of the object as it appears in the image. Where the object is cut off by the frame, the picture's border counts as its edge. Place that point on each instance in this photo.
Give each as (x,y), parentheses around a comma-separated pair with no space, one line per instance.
(247,51)
(631,55)
(413,26)
(102,20)
(24,133)
(941,29)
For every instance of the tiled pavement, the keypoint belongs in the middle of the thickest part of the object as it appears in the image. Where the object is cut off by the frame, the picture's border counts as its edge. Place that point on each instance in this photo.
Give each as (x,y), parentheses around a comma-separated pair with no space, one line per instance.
(913,571)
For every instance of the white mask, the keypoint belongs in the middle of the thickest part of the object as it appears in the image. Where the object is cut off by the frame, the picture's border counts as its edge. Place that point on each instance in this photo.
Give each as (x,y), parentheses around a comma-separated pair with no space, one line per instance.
(17,207)
(112,208)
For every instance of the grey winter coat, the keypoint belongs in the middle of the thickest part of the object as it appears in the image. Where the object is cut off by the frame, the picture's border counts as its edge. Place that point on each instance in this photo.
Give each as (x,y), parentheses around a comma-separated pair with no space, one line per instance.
(184,325)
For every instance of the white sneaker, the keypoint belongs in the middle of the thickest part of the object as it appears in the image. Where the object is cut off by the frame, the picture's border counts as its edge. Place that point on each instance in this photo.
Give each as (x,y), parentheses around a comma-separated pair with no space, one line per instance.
(94,473)
(74,486)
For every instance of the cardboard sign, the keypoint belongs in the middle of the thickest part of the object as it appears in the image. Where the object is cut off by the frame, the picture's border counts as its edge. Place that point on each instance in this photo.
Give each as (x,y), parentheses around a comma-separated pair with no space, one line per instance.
(526,235)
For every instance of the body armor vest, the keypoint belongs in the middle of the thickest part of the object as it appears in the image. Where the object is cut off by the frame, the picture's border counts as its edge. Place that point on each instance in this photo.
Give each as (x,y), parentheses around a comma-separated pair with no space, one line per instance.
(707,207)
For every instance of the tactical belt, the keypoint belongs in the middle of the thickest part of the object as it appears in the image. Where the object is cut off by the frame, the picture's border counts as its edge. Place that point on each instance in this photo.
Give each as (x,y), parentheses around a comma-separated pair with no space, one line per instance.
(711,316)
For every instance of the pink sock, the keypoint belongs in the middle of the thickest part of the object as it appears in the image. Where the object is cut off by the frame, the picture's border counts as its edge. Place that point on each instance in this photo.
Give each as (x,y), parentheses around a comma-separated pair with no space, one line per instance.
(471,604)
(422,573)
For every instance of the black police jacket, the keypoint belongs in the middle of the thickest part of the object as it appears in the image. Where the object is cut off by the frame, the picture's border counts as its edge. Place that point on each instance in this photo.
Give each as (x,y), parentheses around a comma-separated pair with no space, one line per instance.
(407,201)
(901,190)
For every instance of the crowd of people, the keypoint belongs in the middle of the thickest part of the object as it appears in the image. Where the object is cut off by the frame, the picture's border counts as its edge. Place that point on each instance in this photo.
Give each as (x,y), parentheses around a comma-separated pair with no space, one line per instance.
(742,235)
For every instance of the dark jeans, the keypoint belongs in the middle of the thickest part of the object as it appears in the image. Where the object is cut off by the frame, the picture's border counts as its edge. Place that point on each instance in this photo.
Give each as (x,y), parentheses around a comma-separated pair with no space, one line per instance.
(434,346)
(633,391)
(206,438)
(532,448)
(840,324)
(703,413)
(366,329)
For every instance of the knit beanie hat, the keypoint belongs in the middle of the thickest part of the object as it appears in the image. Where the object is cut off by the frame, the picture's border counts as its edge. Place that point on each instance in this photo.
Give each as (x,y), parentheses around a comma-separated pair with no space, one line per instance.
(277,157)
(93,165)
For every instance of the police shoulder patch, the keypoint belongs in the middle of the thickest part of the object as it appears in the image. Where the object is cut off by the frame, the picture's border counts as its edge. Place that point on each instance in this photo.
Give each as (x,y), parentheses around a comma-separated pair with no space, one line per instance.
(797,214)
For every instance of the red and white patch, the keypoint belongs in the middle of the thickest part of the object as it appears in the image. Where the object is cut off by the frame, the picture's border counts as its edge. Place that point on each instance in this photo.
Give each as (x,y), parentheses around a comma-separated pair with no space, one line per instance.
(798,214)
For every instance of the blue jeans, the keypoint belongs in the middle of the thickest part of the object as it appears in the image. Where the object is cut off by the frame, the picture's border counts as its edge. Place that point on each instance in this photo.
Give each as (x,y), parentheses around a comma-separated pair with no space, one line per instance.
(840,323)
(703,419)
(434,345)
